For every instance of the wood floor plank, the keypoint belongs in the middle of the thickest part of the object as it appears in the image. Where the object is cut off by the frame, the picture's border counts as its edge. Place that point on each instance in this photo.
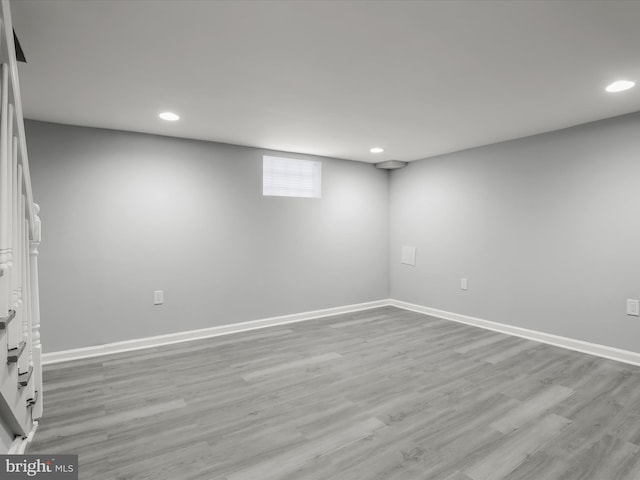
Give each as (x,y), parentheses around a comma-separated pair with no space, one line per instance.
(608,458)
(532,408)
(538,466)
(298,456)
(502,461)
(293,364)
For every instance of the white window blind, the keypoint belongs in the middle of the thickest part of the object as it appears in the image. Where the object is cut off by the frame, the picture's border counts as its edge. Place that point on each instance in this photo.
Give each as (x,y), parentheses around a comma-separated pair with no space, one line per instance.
(288,177)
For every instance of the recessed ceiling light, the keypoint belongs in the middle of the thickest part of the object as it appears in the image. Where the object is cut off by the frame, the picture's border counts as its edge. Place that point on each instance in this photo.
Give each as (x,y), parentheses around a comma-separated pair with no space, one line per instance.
(169,116)
(377,150)
(620,86)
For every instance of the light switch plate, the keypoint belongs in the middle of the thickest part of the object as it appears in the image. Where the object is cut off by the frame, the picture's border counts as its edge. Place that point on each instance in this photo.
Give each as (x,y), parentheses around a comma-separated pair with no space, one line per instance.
(633,307)
(464,284)
(408,255)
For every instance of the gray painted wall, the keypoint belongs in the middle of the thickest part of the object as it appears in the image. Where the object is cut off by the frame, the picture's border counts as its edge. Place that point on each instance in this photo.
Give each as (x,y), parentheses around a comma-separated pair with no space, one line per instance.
(125,214)
(545,228)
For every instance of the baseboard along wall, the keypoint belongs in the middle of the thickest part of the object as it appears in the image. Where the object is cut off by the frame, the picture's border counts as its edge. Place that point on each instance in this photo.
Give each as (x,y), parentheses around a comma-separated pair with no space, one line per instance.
(598,350)
(159,340)
(611,353)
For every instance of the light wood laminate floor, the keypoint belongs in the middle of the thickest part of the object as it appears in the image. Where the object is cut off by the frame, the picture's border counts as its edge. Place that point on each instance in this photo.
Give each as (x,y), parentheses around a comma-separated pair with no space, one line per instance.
(379,394)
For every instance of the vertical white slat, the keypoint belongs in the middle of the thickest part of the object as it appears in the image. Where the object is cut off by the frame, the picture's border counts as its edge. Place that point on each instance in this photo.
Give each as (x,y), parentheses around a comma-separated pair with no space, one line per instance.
(24,297)
(27,306)
(12,172)
(15,327)
(13,333)
(14,258)
(35,312)
(15,240)
(5,209)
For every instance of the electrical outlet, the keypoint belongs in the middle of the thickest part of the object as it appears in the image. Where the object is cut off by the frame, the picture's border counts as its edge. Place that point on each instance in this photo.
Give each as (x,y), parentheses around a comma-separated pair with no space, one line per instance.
(158,297)
(463,284)
(633,307)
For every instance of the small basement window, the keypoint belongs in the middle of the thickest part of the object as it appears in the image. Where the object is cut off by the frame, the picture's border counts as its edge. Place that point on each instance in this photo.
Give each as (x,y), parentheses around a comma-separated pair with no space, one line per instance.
(289,177)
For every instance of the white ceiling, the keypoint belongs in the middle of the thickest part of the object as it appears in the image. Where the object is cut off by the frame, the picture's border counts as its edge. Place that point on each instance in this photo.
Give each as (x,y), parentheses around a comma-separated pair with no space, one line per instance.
(329,77)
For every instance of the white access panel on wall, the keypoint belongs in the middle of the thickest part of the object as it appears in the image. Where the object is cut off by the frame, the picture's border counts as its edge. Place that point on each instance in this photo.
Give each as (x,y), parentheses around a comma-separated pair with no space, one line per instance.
(408,255)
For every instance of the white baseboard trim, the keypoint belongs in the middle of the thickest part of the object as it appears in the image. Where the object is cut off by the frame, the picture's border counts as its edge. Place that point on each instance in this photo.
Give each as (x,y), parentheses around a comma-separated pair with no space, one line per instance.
(20,444)
(610,353)
(149,342)
(603,351)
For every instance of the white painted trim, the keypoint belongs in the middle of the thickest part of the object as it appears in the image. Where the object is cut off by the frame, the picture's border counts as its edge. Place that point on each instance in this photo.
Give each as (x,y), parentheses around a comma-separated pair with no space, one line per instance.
(20,444)
(603,351)
(610,353)
(156,341)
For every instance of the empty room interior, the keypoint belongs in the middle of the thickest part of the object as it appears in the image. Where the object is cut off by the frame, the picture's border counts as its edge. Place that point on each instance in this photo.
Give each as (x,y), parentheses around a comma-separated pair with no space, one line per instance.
(312,240)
